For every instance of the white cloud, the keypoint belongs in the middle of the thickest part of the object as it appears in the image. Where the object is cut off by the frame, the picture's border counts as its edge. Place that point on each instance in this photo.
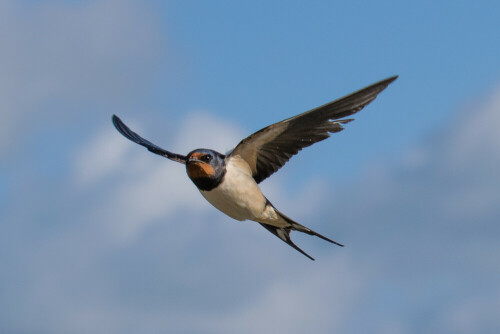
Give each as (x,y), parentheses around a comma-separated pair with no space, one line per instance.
(57,57)
(428,223)
(316,300)
(201,129)
(105,154)
(107,151)
(474,134)
(472,316)
(148,187)
(138,249)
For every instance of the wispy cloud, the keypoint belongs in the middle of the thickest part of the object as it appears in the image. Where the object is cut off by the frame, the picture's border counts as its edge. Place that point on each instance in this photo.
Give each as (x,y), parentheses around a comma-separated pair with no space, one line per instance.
(98,235)
(150,186)
(57,58)
(139,249)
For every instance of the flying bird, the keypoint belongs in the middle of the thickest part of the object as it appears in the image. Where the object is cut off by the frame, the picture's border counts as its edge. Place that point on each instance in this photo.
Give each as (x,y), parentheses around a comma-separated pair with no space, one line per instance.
(230,181)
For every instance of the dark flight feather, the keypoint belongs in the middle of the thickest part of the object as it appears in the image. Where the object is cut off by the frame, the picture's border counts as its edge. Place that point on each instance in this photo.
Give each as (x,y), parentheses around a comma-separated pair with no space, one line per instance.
(268,149)
(131,135)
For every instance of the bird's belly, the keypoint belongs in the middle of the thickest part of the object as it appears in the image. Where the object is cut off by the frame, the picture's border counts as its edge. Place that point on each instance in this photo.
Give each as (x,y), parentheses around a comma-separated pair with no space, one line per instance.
(238,196)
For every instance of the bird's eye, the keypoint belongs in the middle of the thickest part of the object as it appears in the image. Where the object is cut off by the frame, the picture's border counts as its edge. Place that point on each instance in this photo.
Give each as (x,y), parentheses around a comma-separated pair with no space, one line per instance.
(206,158)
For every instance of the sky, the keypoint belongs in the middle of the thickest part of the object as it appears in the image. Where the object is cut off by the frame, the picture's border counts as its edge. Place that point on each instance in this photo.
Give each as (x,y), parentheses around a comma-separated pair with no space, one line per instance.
(97,235)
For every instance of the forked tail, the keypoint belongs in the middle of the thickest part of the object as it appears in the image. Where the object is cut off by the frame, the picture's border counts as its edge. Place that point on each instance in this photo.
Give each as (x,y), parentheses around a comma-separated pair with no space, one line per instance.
(284,232)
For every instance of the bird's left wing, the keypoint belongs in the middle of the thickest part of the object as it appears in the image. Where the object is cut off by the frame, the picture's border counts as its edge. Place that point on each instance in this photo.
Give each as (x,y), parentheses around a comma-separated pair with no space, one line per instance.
(268,149)
(131,135)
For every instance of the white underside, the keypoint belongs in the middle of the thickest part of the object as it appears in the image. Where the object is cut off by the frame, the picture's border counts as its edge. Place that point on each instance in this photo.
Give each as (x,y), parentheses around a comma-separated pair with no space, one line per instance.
(240,197)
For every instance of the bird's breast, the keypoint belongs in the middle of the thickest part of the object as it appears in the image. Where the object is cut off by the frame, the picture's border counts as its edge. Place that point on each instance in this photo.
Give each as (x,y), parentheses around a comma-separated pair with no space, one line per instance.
(238,195)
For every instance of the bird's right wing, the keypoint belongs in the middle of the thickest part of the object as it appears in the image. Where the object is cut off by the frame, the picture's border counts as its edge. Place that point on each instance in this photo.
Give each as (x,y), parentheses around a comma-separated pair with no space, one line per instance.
(131,135)
(268,149)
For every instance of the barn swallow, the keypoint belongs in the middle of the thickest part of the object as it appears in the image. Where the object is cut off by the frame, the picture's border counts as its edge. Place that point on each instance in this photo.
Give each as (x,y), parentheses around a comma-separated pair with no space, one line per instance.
(230,181)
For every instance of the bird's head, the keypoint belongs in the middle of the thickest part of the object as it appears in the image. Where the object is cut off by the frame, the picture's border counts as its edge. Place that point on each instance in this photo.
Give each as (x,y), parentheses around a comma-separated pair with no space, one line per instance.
(206,168)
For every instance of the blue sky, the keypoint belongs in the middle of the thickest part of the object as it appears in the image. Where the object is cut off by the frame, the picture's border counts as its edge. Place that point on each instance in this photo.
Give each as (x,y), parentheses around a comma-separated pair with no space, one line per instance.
(97,235)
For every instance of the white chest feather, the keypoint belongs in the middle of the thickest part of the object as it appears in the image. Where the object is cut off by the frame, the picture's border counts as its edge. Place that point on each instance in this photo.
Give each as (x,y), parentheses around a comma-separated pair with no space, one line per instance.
(238,196)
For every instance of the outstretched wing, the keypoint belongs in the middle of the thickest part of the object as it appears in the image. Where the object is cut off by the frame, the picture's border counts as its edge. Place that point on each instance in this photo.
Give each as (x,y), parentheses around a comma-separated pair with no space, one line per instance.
(131,135)
(268,149)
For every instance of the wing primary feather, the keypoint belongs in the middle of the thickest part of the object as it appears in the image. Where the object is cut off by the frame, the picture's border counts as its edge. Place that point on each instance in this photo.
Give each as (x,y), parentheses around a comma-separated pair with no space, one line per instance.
(131,135)
(352,103)
(270,148)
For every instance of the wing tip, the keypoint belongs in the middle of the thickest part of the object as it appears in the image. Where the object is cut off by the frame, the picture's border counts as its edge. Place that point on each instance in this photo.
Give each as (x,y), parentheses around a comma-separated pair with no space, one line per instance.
(124,130)
(383,83)
(391,79)
(115,119)
(118,123)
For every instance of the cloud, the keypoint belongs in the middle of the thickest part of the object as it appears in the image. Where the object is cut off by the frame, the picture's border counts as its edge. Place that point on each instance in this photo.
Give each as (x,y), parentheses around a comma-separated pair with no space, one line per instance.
(428,220)
(150,186)
(122,242)
(116,240)
(57,59)
(103,156)
(302,302)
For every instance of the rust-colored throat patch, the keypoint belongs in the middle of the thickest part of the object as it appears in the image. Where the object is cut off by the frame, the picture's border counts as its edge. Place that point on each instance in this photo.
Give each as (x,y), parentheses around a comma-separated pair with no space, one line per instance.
(198,169)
